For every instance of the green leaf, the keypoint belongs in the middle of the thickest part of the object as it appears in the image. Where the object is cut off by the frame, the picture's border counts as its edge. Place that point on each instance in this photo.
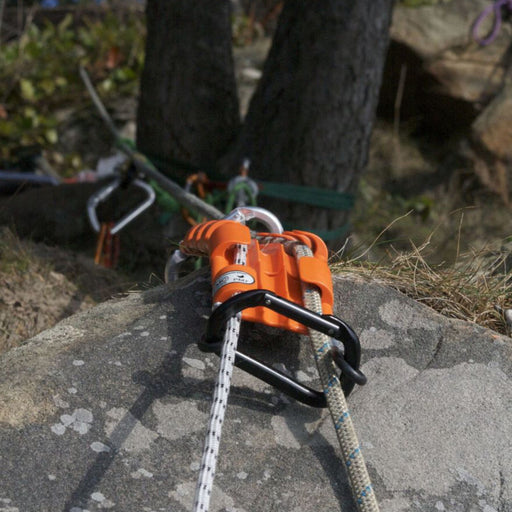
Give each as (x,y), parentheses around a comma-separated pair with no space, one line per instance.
(48,85)
(35,121)
(124,74)
(106,85)
(76,161)
(28,91)
(85,37)
(32,49)
(51,136)
(65,24)
(6,128)
(29,112)
(61,81)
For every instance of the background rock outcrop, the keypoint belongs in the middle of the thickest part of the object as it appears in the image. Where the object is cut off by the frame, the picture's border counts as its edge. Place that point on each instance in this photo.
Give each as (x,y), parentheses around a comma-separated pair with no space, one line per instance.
(108,410)
(443,62)
(451,85)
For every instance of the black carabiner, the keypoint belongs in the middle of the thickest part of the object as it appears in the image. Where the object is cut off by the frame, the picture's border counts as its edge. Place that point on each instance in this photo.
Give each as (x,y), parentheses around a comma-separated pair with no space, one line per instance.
(348,361)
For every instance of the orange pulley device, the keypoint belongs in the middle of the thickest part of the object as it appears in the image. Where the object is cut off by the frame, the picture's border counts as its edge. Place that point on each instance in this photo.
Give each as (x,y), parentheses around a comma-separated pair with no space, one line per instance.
(270,266)
(268,288)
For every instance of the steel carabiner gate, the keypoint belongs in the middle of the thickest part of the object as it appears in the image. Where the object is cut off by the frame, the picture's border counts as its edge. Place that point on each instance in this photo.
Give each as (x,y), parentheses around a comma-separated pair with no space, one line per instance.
(104,193)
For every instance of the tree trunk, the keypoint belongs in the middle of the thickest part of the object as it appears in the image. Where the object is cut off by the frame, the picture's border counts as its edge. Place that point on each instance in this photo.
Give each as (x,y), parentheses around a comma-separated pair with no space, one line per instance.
(188,107)
(311,117)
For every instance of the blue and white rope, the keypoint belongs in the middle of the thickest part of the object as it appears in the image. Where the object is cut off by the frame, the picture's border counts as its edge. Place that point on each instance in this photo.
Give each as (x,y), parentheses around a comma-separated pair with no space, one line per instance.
(337,403)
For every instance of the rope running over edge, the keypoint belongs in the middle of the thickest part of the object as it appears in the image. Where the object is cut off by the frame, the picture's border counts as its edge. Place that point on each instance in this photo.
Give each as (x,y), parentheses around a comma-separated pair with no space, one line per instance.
(360,482)
(218,409)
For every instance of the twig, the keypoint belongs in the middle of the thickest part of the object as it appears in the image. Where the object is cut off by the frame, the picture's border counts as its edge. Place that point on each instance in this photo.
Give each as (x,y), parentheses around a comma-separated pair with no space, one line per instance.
(2,6)
(98,104)
(397,108)
(398,98)
(458,236)
(20,14)
(364,253)
(144,166)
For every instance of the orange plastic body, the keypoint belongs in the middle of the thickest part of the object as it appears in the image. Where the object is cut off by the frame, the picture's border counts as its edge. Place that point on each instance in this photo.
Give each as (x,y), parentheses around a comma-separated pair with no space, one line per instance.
(270,266)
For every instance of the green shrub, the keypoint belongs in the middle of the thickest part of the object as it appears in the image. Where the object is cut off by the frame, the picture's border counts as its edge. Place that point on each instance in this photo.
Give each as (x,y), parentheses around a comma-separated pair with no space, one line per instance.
(39,72)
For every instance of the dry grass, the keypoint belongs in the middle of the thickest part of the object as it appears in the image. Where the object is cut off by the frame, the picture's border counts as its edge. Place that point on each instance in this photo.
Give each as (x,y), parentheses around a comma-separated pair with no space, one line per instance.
(14,256)
(434,181)
(476,288)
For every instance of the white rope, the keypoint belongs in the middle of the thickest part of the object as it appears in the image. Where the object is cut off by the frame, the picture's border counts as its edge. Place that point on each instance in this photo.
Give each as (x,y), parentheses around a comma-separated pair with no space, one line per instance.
(220,399)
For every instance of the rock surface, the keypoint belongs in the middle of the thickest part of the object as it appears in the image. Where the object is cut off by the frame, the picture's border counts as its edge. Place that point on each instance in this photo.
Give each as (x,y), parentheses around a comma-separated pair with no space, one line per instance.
(492,141)
(443,60)
(452,85)
(107,411)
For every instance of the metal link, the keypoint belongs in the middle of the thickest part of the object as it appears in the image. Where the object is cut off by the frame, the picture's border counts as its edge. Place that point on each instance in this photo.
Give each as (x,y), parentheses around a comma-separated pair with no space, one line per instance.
(105,192)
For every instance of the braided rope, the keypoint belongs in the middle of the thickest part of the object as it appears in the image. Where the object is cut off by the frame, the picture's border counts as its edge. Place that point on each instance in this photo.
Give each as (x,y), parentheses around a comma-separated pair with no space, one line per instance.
(351,451)
(220,399)
(356,468)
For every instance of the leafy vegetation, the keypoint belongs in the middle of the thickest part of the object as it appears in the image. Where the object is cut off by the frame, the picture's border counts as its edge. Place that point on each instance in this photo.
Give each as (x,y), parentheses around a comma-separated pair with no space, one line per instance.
(39,73)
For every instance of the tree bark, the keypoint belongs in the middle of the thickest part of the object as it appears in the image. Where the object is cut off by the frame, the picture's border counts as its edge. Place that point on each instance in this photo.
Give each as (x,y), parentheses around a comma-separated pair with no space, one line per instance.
(311,117)
(312,114)
(188,107)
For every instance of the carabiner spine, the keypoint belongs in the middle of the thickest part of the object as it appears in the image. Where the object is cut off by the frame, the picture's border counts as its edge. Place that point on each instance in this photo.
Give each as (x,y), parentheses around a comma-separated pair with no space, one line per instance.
(348,361)
(104,193)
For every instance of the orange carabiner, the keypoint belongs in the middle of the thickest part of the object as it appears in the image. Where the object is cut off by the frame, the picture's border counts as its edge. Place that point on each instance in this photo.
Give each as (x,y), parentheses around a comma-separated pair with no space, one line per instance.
(200,181)
(270,265)
(107,247)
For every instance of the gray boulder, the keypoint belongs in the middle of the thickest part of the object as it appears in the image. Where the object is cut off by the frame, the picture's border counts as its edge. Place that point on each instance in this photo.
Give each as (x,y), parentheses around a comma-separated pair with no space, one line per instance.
(439,77)
(108,410)
(449,77)
(491,142)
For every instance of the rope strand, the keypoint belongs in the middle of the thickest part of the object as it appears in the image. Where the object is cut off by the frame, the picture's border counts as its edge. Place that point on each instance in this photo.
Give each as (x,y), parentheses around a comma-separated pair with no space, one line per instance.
(218,410)
(351,451)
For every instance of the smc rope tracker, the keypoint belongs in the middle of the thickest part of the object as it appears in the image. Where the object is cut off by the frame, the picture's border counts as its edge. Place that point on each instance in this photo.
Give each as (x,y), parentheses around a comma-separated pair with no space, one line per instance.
(280,279)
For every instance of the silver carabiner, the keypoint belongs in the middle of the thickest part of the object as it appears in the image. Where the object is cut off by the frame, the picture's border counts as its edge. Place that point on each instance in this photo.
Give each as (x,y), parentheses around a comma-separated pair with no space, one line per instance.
(105,192)
(242,215)
(171,267)
(245,213)
(245,194)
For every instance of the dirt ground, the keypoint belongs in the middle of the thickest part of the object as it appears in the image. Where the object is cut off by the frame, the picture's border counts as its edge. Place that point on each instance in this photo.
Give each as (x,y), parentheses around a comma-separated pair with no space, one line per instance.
(40,285)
